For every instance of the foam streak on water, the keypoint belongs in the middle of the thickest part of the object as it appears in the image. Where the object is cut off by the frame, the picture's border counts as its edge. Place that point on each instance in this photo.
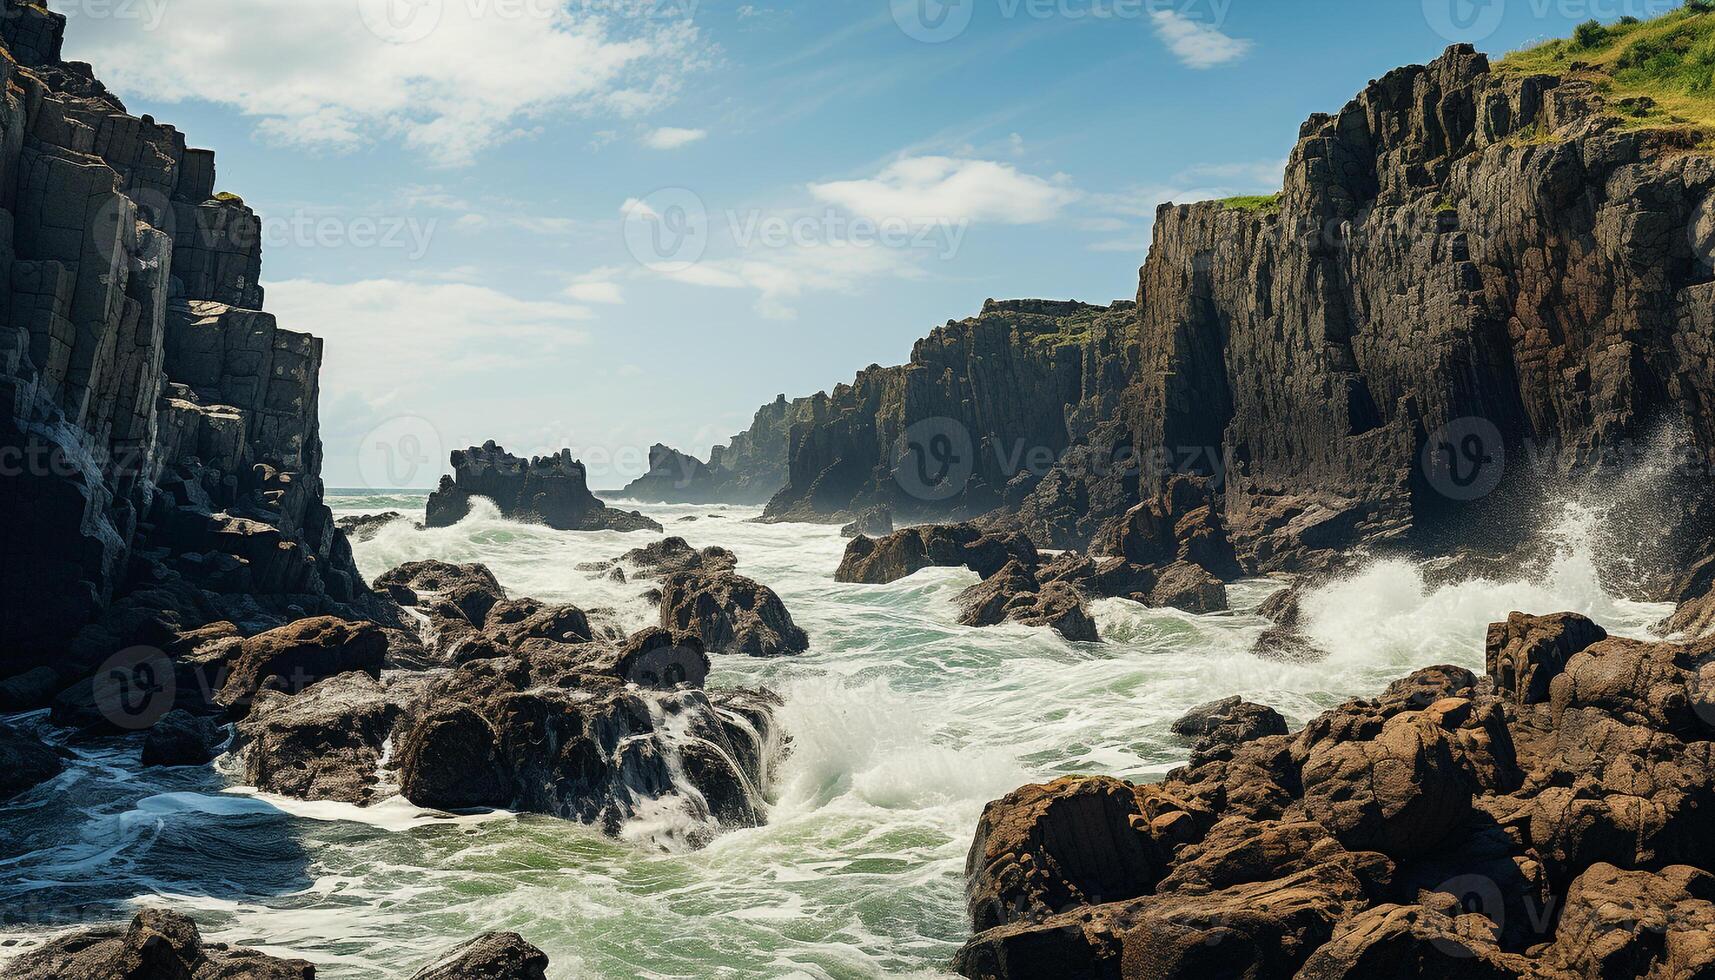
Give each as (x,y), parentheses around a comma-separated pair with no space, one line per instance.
(903,725)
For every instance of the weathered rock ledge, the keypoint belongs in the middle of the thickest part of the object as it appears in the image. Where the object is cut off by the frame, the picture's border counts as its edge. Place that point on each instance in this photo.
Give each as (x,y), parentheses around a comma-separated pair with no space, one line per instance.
(1554,819)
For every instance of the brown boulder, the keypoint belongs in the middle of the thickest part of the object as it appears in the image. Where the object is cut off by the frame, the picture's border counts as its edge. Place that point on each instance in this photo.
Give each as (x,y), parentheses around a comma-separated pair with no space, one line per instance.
(297,655)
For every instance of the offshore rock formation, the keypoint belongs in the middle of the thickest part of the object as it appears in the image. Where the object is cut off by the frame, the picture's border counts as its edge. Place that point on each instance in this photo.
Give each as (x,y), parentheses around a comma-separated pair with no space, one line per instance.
(1549,820)
(749,470)
(547,490)
(158,432)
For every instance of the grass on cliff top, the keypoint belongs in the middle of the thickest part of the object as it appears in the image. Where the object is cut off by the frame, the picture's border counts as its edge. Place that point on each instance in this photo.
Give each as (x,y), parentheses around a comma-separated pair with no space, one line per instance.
(1254,203)
(1654,74)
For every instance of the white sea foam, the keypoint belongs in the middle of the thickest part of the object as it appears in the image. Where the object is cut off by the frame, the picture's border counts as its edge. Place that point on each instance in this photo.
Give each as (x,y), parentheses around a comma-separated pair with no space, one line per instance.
(902,726)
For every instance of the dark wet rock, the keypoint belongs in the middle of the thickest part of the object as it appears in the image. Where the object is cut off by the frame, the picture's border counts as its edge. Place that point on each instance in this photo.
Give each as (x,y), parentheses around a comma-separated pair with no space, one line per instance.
(1190,588)
(364,527)
(1287,640)
(544,733)
(548,490)
(491,956)
(879,561)
(661,659)
(730,614)
(1695,594)
(669,556)
(30,690)
(180,738)
(1014,594)
(325,743)
(24,762)
(293,657)
(1226,724)
(440,576)
(157,945)
(871,522)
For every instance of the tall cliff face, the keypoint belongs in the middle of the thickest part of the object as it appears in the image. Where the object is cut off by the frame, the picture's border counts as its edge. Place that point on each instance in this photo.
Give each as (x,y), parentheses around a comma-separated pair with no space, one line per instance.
(1473,282)
(1452,245)
(983,402)
(156,430)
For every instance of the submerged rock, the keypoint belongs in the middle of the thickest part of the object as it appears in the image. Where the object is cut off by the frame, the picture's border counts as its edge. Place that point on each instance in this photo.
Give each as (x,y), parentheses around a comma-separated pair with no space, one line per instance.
(25,762)
(492,956)
(548,490)
(180,738)
(157,945)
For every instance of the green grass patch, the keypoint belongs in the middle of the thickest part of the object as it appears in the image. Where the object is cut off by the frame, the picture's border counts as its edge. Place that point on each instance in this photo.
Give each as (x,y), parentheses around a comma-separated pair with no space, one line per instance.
(1254,203)
(1654,74)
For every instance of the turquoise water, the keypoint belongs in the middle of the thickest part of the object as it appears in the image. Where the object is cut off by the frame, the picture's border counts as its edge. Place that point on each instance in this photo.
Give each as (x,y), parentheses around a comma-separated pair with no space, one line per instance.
(903,725)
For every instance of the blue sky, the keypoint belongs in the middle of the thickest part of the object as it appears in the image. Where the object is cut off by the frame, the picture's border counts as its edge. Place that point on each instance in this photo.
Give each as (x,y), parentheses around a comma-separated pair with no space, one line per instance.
(614,222)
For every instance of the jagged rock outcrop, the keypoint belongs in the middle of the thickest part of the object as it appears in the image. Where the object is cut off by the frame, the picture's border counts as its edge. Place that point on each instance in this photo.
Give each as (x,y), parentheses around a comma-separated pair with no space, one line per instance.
(982,402)
(549,490)
(157,944)
(163,430)
(1017,594)
(1549,820)
(669,556)
(675,478)
(730,614)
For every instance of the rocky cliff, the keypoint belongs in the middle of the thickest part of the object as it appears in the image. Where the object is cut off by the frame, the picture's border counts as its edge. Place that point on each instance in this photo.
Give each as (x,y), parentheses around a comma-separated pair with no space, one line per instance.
(158,432)
(750,469)
(981,401)
(1473,282)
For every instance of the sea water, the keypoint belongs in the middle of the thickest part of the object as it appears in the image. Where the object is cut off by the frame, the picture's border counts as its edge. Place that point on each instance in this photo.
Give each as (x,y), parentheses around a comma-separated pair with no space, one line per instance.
(903,724)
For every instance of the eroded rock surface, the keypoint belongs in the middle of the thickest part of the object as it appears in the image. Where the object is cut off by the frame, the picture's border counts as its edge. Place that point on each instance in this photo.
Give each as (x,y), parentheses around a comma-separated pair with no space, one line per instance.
(1547,821)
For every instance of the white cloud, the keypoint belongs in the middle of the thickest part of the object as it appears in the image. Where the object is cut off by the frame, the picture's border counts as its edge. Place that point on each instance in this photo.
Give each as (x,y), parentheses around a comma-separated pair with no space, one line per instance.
(334,74)
(932,189)
(671,138)
(781,276)
(382,334)
(595,291)
(1195,44)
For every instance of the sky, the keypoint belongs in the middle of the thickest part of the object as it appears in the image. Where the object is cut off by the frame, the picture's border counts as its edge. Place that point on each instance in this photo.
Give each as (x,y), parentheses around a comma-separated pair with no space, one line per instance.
(605,224)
